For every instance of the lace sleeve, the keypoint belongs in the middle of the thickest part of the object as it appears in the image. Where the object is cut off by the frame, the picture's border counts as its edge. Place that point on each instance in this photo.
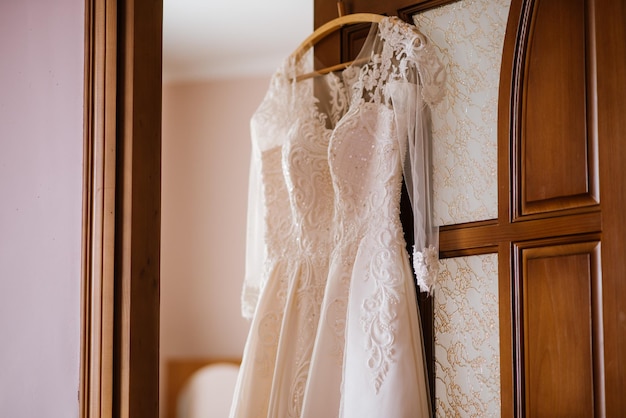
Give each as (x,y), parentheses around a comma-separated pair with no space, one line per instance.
(410,99)
(268,127)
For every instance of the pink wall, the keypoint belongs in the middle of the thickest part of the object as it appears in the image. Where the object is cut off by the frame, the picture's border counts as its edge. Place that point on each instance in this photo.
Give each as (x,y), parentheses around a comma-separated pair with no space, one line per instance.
(206,152)
(41,88)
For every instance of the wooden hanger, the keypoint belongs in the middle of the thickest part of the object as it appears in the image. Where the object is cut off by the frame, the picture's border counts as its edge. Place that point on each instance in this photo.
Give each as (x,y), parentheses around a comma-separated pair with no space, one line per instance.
(326,29)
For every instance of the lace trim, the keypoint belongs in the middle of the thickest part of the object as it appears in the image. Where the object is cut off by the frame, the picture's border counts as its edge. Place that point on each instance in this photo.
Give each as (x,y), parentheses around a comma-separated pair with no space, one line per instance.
(426,265)
(249,300)
(378,316)
(419,50)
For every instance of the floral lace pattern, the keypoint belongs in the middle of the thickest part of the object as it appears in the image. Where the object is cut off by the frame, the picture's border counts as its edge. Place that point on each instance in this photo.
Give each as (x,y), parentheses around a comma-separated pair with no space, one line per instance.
(336,329)
(365,160)
(426,266)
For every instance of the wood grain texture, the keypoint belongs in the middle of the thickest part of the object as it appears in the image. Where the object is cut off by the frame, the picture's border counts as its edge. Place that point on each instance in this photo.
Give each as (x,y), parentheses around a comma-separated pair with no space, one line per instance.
(610,49)
(121,209)
(553,123)
(98,229)
(488,234)
(139,210)
(506,297)
(558,344)
(554,110)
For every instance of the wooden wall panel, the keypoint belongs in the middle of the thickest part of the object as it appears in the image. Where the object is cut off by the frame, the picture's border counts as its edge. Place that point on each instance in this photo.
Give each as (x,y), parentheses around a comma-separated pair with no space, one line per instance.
(560,322)
(556,143)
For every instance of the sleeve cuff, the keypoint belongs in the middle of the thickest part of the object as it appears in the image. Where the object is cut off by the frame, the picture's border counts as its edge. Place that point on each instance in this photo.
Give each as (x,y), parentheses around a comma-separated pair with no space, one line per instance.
(426,266)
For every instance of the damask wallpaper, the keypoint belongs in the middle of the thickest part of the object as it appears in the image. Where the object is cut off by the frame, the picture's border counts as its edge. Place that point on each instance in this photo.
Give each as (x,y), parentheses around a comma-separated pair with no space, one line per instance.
(469,35)
(467,338)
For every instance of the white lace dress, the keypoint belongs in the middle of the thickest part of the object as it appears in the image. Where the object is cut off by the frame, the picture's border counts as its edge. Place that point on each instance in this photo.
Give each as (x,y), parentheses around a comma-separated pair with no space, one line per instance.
(335,330)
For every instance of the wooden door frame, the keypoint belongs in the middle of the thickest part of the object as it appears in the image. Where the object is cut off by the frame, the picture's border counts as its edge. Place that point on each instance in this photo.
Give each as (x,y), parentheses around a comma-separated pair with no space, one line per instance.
(121,209)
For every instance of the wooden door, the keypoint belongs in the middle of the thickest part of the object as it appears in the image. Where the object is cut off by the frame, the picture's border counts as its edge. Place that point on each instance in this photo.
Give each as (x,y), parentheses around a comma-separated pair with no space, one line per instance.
(561,121)
(561,193)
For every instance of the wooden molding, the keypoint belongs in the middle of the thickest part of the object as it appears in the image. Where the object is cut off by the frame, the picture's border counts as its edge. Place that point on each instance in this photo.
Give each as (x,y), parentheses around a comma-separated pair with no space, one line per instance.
(609,46)
(138,222)
(484,237)
(98,241)
(121,209)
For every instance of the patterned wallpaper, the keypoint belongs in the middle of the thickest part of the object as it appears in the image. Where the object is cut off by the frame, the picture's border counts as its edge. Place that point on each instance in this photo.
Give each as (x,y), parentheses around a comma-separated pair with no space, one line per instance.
(469,35)
(467,338)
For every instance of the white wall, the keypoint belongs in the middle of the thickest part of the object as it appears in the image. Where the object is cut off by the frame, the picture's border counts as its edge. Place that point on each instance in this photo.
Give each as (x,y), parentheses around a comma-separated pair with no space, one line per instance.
(41,88)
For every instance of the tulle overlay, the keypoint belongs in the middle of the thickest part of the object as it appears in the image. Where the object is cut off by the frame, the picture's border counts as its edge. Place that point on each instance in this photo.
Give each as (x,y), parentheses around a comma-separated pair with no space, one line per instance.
(335,330)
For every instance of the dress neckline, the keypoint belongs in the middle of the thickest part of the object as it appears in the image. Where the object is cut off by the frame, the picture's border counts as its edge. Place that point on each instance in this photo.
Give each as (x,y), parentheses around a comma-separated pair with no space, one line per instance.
(338,85)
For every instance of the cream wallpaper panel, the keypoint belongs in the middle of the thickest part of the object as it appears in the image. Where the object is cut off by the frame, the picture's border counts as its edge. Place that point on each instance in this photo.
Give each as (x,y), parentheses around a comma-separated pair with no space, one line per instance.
(467,338)
(469,35)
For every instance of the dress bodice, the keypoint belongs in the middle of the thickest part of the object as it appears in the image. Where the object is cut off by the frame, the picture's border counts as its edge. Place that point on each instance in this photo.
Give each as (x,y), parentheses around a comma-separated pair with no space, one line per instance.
(307,175)
(365,166)
(306,164)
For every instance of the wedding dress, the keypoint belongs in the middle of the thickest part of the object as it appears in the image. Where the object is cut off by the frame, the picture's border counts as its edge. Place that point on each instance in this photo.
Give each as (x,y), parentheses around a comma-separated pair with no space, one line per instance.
(335,330)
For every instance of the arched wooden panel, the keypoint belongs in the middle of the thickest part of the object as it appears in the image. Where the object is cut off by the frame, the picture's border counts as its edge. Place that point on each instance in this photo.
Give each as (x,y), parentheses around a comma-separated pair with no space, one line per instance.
(560,323)
(555,119)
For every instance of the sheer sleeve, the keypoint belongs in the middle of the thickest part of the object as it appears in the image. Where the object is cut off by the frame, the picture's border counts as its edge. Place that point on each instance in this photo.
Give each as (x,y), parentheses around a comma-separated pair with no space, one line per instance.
(411,99)
(256,251)
(267,196)
(418,180)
